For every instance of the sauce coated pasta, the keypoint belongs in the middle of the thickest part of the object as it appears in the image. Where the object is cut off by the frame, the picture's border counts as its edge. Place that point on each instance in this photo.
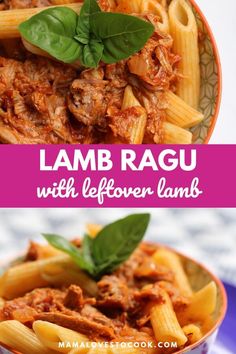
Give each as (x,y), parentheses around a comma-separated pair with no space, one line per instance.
(58,308)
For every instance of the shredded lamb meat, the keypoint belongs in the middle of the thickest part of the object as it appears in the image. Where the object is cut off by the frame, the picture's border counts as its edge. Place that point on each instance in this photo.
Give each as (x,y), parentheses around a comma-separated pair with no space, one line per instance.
(32,102)
(113,293)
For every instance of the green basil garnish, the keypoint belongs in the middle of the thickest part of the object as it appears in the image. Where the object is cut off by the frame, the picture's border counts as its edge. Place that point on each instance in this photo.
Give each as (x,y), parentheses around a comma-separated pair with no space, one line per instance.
(83,29)
(113,245)
(74,252)
(89,37)
(122,35)
(92,53)
(53,31)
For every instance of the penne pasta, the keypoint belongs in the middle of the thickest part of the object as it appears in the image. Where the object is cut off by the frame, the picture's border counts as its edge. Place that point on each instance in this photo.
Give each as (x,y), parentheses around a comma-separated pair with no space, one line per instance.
(20,279)
(157,8)
(137,129)
(11,19)
(203,303)
(62,271)
(179,113)
(129,99)
(59,270)
(183,28)
(58,338)
(15,335)
(193,332)
(172,261)
(175,135)
(165,324)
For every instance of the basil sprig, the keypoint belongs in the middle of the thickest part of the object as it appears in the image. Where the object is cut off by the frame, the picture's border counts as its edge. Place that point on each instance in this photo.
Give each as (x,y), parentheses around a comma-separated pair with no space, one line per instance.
(111,247)
(89,37)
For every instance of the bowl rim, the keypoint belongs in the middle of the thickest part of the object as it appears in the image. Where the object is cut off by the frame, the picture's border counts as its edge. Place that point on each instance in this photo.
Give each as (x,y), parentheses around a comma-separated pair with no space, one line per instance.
(219,71)
(215,278)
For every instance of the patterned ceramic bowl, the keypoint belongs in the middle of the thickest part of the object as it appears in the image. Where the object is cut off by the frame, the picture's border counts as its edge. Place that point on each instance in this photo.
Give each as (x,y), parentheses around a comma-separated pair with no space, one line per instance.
(199,276)
(211,79)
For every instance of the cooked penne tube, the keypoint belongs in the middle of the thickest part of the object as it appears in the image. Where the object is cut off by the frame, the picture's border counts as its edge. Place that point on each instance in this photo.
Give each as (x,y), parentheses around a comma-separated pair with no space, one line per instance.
(59,270)
(11,19)
(20,279)
(172,261)
(175,135)
(203,303)
(179,113)
(129,99)
(165,324)
(58,338)
(137,130)
(19,337)
(62,271)
(193,332)
(183,28)
(156,8)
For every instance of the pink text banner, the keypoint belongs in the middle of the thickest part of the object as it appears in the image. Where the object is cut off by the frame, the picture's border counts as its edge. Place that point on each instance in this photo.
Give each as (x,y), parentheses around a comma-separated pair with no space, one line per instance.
(118,176)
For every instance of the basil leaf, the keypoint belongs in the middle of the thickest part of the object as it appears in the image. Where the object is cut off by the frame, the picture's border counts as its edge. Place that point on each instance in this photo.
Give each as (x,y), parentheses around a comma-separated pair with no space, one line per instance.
(122,35)
(91,54)
(117,241)
(83,27)
(53,30)
(86,249)
(113,245)
(62,244)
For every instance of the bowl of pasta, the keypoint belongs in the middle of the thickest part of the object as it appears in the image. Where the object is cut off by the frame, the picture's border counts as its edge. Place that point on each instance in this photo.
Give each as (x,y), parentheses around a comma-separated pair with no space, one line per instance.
(92,296)
(107,72)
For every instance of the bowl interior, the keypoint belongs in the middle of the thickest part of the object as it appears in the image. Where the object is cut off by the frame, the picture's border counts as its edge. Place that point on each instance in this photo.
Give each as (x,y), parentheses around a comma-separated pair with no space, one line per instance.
(210,76)
(210,93)
(199,277)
